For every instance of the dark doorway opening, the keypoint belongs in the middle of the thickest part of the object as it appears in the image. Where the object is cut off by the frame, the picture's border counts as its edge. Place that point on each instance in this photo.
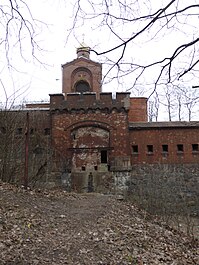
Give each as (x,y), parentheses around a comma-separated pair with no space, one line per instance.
(104,156)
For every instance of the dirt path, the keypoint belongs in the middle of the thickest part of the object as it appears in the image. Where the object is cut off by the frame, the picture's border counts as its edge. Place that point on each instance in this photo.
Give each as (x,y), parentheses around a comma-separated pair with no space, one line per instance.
(59,228)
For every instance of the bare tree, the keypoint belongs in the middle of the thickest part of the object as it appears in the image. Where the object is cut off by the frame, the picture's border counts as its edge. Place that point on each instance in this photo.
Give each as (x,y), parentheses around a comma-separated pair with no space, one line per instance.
(19,47)
(13,128)
(18,30)
(11,145)
(154,108)
(191,97)
(179,99)
(130,24)
(170,103)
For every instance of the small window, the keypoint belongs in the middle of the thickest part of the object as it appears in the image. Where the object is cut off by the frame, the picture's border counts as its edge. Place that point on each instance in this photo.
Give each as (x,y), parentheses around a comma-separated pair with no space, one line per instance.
(103,156)
(83,168)
(165,148)
(47,131)
(95,167)
(135,149)
(180,148)
(19,131)
(195,148)
(149,148)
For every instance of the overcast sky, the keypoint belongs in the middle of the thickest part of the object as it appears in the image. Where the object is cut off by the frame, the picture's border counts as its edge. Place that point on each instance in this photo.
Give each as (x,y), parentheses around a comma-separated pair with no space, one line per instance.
(34,81)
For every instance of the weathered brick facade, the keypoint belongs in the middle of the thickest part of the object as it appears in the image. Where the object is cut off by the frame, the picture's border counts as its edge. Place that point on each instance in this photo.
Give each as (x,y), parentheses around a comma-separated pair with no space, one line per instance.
(94,129)
(165,143)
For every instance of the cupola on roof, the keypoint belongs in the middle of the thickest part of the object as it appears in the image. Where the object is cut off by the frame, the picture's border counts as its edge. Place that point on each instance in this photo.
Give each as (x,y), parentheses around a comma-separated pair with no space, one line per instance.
(83,51)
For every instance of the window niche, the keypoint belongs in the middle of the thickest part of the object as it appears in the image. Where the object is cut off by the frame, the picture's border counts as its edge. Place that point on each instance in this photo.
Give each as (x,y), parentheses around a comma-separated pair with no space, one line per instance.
(150,149)
(180,148)
(135,149)
(165,148)
(195,148)
(104,158)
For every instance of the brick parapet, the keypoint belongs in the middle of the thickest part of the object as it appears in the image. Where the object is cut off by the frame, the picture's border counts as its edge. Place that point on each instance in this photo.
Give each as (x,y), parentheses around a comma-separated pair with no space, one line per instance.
(85,101)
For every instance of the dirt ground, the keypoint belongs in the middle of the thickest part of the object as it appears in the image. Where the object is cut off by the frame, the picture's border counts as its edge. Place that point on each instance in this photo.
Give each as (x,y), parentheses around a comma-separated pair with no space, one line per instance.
(55,227)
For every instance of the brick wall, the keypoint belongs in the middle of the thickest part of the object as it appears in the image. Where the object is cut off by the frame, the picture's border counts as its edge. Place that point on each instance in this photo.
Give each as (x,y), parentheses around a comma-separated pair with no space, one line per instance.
(114,124)
(164,145)
(138,110)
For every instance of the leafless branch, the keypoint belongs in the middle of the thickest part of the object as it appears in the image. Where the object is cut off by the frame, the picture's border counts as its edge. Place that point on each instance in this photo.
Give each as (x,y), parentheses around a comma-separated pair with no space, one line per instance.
(145,22)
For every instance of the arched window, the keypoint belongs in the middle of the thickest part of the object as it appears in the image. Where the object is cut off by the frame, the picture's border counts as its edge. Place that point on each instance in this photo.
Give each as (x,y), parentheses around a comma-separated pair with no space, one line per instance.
(82,86)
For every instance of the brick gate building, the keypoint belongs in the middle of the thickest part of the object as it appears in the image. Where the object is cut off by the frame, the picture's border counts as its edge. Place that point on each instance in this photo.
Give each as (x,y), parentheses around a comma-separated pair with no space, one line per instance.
(97,134)
(97,138)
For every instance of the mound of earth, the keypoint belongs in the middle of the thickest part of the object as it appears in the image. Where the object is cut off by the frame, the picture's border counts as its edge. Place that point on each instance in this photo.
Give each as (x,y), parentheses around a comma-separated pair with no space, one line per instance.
(55,227)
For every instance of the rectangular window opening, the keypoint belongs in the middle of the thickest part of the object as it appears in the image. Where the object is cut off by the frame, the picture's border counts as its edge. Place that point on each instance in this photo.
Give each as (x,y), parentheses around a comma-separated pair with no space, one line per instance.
(195,147)
(104,156)
(150,148)
(83,168)
(180,148)
(165,148)
(135,149)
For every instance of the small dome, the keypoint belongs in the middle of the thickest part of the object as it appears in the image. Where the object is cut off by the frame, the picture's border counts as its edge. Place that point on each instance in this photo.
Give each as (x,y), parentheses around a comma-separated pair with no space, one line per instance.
(83,51)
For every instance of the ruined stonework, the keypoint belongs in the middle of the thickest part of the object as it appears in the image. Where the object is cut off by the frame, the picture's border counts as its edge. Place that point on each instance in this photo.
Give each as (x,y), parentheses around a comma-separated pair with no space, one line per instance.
(86,140)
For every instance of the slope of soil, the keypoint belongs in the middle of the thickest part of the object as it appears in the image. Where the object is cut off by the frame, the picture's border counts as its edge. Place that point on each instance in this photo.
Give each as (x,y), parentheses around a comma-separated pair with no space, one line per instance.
(60,228)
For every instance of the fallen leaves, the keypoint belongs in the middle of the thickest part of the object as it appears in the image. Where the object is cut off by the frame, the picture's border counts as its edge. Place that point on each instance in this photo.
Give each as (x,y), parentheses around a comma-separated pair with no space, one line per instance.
(55,227)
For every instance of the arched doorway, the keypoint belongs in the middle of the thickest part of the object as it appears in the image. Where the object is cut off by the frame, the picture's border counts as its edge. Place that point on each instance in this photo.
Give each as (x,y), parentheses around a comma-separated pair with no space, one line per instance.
(90,145)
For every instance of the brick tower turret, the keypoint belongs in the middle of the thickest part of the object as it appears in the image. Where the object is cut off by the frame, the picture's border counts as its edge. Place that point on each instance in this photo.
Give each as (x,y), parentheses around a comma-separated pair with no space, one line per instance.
(82,74)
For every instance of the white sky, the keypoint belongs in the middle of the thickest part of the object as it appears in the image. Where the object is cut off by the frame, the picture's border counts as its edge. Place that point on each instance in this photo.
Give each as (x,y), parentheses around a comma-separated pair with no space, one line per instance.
(34,81)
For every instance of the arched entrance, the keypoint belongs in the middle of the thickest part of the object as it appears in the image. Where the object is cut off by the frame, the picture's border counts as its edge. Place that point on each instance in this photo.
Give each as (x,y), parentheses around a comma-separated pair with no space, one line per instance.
(90,145)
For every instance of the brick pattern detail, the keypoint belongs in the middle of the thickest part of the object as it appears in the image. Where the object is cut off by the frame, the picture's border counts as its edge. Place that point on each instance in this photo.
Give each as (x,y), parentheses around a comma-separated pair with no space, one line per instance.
(90,101)
(93,75)
(138,110)
(167,136)
(115,123)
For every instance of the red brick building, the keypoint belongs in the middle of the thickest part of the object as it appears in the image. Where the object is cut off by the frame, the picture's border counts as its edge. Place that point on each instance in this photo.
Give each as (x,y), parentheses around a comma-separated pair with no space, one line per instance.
(94,133)
(98,140)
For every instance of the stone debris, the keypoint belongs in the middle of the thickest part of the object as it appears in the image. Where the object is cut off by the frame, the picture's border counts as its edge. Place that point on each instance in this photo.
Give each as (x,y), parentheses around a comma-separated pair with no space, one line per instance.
(55,227)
